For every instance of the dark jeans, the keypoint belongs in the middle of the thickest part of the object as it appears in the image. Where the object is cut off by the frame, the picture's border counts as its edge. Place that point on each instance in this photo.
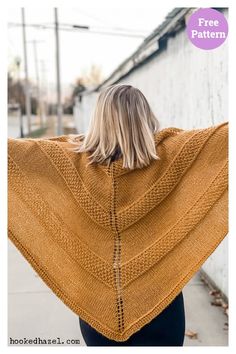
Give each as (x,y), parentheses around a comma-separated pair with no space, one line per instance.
(167,329)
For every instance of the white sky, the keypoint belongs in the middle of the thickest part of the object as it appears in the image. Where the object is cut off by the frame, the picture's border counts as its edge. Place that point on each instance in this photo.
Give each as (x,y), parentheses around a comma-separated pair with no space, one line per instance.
(78,51)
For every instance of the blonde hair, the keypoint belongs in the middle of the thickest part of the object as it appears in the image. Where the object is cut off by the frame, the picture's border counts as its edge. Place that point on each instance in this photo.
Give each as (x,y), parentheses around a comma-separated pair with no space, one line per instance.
(122,124)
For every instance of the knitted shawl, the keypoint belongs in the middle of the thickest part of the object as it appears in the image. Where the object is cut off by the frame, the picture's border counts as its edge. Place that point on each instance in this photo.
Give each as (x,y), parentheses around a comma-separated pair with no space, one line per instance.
(118,245)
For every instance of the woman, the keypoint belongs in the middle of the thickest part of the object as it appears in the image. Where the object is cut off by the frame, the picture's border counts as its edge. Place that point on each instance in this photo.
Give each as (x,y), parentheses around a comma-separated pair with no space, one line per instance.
(117,221)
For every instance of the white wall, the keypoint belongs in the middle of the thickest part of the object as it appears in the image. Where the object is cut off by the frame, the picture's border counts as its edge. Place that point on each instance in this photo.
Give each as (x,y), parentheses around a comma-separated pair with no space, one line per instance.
(187,88)
(216,266)
(83,112)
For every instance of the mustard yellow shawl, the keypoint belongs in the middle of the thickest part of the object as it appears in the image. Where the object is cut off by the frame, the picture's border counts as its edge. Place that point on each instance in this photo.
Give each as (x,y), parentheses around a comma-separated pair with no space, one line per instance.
(116,246)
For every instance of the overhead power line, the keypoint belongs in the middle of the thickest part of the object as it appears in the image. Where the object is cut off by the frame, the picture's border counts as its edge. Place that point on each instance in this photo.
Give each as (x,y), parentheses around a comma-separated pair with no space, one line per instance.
(113,28)
(111,24)
(80,28)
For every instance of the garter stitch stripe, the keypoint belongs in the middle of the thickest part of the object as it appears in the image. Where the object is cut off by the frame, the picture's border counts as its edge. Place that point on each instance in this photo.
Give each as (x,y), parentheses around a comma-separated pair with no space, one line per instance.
(117,246)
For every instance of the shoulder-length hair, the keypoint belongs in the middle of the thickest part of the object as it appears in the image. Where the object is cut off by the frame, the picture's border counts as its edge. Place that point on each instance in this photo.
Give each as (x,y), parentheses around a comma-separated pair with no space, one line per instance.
(122,125)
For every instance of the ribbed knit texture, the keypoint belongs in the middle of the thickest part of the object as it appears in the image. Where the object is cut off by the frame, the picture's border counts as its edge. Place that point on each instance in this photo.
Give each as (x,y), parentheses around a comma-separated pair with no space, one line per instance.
(117,246)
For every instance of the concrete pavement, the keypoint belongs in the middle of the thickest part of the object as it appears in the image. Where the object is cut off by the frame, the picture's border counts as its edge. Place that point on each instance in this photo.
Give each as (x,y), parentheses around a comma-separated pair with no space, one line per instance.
(202,318)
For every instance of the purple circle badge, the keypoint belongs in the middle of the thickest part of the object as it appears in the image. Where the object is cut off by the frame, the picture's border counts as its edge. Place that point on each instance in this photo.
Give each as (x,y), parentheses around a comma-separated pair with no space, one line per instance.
(207,28)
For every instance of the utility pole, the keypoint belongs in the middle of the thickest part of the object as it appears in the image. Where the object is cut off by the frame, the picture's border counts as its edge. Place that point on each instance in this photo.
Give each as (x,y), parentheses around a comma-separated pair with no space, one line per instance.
(18,62)
(59,105)
(44,88)
(27,93)
(35,42)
